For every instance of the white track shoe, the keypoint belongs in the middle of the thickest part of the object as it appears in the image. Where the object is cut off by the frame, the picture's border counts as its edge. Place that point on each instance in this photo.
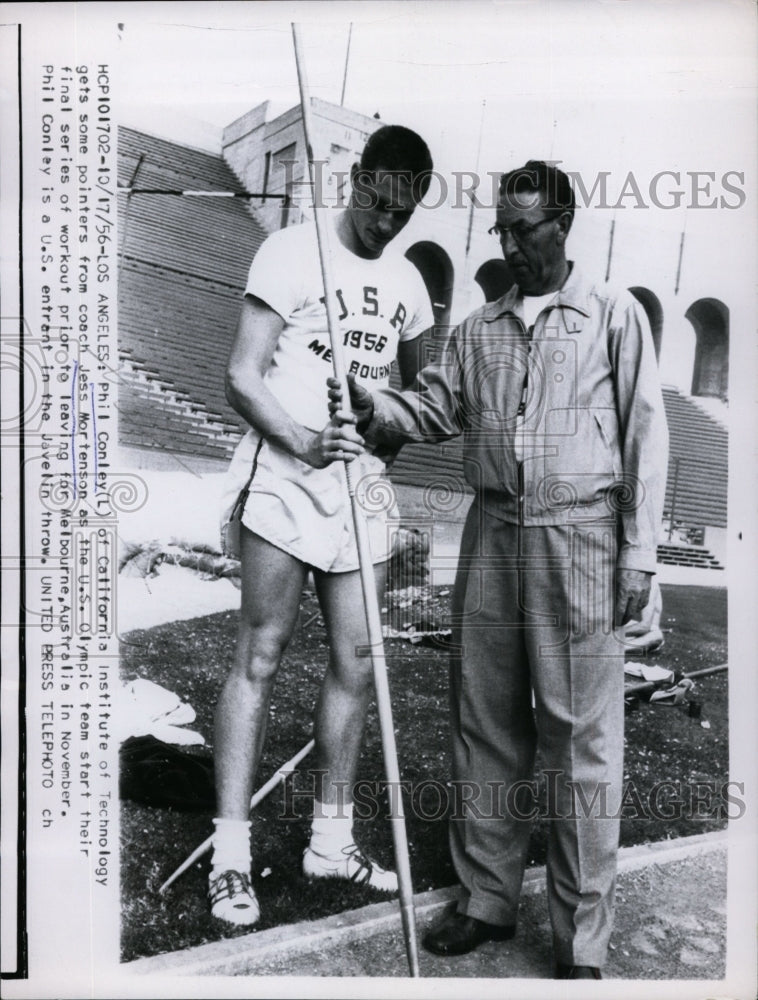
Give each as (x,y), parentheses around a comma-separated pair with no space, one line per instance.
(233,898)
(350,864)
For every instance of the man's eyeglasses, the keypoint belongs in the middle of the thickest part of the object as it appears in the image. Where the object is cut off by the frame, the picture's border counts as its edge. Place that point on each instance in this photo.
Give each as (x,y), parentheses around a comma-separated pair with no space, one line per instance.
(520,231)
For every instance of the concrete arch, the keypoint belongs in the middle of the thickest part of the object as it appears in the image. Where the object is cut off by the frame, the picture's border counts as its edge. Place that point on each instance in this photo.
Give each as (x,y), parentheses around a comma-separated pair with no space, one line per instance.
(494,278)
(710,374)
(436,268)
(654,310)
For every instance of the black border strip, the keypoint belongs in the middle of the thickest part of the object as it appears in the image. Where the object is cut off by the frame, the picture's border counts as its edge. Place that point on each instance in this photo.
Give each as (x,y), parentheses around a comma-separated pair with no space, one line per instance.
(22,939)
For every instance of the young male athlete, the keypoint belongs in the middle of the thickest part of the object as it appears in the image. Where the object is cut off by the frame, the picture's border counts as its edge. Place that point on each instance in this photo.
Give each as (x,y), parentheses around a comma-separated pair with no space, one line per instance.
(288,511)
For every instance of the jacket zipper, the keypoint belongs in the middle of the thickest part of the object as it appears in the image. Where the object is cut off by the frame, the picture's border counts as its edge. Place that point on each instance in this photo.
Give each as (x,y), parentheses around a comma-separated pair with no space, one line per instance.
(519,413)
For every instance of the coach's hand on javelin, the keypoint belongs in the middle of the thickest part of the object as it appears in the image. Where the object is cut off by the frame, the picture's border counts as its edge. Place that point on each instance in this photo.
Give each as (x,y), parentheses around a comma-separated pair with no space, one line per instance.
(361,403)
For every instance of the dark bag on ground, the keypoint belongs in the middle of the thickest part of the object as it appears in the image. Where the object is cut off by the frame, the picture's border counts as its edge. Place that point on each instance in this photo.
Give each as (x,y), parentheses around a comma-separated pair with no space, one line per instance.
(158,774)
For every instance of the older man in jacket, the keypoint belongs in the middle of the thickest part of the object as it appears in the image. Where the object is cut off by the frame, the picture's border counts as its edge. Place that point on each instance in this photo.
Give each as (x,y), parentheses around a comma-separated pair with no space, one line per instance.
(555,389)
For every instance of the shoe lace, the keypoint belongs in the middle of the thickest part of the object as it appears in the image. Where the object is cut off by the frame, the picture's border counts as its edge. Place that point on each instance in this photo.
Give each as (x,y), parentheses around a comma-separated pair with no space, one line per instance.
(229,884)
(366,867)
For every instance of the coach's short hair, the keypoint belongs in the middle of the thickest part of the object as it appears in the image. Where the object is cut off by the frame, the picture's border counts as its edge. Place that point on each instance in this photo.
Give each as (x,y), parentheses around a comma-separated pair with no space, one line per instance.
(538,177)
(400,150)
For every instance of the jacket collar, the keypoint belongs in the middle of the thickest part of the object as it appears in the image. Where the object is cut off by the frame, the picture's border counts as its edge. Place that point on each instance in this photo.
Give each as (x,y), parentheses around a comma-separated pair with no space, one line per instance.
(573,295)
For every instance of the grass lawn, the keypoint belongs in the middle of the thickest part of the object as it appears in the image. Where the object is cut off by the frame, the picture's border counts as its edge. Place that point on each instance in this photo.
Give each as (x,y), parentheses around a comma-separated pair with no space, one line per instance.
(192,658)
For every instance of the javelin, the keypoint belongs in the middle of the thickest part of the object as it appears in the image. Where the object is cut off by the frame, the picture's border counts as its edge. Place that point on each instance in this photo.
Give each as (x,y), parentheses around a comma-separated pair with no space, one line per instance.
(370,603)
(261,794)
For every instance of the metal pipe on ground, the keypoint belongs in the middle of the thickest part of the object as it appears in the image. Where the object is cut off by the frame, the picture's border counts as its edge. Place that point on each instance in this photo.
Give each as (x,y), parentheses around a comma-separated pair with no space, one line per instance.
(642,687)
(276,778)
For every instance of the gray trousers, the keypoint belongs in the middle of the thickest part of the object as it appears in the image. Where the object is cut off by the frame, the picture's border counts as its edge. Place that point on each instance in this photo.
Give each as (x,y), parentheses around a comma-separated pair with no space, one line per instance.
(532,615)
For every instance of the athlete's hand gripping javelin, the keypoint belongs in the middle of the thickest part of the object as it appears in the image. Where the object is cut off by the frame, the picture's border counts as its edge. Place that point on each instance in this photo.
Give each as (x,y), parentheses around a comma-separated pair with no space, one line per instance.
(258,333)
(339,441)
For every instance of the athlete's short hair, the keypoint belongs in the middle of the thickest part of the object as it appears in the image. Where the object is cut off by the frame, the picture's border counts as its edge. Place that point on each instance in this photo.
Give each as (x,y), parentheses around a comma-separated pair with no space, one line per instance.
(397,149)
(544,179)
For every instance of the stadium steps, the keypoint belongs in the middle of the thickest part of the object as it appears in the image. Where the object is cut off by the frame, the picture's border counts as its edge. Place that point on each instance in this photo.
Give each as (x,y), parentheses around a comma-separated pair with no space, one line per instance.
(699,445)
(681,555)
(185,330)
(154,416)
(713,407)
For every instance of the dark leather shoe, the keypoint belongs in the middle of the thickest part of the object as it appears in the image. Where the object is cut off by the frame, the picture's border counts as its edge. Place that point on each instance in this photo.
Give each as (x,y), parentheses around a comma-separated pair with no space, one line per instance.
(459,934)
(576,971)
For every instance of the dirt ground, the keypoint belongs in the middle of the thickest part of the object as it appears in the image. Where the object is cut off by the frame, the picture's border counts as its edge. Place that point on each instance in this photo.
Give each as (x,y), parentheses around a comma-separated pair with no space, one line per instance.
(669,925)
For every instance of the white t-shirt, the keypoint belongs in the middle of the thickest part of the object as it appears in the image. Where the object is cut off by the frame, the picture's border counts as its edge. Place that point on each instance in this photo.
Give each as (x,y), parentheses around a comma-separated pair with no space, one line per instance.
(379,302)
(533,306)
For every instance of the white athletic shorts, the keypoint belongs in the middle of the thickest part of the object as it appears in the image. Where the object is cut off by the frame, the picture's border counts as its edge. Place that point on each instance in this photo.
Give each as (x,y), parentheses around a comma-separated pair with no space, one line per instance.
(305,511)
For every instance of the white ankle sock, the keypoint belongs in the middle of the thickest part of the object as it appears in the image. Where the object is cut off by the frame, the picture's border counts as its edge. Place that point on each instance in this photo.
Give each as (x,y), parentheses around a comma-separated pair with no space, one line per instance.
(332,828)
(231,846)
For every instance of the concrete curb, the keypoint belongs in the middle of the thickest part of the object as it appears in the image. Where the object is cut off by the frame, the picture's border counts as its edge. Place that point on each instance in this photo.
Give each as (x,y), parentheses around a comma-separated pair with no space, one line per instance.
(235,954)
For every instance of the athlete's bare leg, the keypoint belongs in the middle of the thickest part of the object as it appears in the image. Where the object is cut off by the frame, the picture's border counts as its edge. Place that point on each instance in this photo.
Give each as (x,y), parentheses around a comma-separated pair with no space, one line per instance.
(347,686)
(272,583)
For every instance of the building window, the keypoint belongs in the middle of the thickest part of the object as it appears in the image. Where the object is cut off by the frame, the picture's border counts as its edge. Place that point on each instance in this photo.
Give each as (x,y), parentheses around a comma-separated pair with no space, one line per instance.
(710,375)
(494,278)
(436,269)
(654,312)
(282,170)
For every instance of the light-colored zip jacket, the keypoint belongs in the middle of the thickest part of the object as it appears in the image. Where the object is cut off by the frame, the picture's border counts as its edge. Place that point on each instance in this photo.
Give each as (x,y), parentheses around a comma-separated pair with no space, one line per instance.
(562,427)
